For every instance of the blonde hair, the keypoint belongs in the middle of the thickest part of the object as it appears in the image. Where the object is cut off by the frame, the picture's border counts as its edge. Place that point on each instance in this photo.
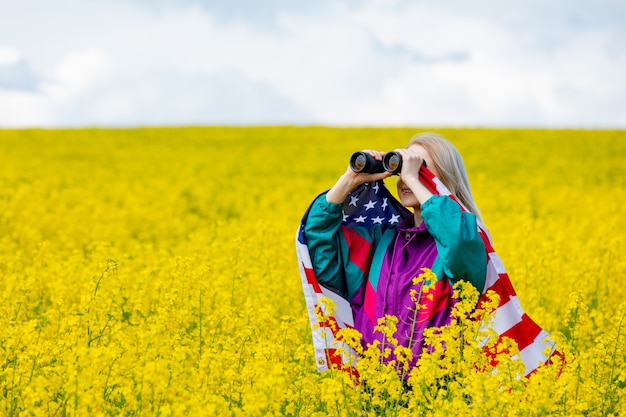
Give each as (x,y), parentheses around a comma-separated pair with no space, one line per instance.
(450,167)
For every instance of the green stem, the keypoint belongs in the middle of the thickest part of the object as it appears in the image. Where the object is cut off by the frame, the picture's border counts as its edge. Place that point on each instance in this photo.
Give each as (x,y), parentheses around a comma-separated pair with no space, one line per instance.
(201,342)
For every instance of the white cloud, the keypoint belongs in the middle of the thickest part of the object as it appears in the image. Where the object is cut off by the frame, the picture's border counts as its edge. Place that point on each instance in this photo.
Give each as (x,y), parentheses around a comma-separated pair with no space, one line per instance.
(77,72)
(38,101)
(23,109)
(160,97)
(377,62)
(507,78)
(167,97)
(9,56)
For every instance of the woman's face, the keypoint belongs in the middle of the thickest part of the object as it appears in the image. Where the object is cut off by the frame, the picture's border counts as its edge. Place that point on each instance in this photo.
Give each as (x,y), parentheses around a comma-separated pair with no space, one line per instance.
(407,197)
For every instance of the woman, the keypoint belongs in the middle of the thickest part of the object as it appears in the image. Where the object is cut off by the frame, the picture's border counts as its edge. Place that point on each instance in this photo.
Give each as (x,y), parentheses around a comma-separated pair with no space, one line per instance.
(438,235)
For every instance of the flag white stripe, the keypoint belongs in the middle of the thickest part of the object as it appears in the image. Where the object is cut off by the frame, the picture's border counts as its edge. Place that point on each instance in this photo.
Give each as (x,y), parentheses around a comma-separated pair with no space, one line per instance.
(497,263)
(491,278)
(343,311)
(534,354)
(507,315)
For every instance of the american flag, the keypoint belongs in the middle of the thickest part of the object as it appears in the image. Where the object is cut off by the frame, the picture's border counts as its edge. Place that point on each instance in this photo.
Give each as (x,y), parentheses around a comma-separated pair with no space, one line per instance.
(372,204)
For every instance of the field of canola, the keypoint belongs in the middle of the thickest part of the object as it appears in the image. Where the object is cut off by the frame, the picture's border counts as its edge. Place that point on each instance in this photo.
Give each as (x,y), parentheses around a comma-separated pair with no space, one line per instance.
(152,272)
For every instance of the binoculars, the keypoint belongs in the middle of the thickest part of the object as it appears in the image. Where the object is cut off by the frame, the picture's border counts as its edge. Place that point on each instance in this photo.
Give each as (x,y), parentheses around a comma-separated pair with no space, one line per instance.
(364,162)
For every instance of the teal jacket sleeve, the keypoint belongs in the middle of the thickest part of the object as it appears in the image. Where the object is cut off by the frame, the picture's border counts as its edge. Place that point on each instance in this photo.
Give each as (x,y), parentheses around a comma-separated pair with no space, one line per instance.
(461,250)
(329,249)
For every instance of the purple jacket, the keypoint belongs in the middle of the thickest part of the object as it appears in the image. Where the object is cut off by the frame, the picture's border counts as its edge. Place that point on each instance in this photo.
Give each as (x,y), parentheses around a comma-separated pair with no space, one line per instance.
(447,242)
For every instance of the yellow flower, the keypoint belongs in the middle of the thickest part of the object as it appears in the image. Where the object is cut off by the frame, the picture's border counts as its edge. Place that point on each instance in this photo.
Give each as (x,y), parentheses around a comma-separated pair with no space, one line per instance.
(135,281)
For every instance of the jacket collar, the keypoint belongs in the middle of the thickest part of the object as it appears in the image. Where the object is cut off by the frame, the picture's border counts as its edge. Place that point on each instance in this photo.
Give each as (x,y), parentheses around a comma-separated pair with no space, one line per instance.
(408,225)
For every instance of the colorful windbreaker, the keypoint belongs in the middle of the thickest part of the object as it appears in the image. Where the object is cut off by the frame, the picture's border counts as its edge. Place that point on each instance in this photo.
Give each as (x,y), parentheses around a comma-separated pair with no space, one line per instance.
(447,242)
(350,254)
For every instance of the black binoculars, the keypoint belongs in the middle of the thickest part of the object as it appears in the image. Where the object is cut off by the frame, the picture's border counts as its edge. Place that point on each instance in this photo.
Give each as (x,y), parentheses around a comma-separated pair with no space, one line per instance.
(364,162)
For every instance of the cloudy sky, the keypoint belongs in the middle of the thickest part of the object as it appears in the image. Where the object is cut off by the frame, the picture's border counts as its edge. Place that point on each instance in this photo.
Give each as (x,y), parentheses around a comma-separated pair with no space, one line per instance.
(555,63)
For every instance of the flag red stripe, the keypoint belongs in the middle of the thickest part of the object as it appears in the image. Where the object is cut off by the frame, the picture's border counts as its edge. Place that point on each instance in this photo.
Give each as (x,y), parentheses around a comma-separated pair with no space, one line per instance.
(501,289)
(524,333)
(330,322)
(506,281)
(311,279)
(426,176)
(486,241)
(334,358)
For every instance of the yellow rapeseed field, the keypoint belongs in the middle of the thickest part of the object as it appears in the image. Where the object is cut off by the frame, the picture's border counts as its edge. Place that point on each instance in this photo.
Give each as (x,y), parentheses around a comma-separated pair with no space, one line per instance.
(152,272)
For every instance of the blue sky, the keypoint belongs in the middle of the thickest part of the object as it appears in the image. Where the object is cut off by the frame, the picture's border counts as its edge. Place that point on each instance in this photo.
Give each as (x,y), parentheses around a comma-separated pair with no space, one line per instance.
(325,62)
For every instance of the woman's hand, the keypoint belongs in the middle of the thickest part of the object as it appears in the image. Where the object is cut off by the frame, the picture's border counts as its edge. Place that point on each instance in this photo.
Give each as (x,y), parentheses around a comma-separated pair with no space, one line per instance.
(350,180)
(409,175)
(411,164)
